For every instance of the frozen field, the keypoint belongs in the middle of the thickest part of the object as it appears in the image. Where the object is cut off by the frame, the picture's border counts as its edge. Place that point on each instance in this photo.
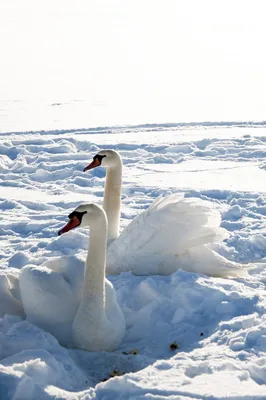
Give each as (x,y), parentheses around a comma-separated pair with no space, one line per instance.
(219,325)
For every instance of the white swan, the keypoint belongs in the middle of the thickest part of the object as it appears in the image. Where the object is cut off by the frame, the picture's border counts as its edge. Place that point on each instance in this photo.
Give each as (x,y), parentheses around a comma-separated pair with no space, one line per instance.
(174,232)
(89,317)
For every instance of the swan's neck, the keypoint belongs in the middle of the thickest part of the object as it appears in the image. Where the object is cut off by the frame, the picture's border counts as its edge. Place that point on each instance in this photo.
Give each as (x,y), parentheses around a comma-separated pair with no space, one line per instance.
(94,285)
(112,199)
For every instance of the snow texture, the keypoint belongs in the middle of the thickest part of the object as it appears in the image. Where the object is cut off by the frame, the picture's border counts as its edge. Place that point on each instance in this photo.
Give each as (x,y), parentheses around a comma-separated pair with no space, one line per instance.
(188,336)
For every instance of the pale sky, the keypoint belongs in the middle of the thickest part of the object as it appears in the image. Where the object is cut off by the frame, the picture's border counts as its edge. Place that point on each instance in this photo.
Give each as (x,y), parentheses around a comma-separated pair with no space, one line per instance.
(140,60)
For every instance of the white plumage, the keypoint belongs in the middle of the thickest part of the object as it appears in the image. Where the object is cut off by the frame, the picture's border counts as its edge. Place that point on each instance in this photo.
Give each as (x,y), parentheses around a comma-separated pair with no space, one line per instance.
(77,306)
(174,232)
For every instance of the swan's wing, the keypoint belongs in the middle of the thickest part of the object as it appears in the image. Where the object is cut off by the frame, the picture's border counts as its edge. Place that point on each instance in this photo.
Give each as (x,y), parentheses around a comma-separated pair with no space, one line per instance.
(168,228)
(44,292)
(72,270)
(49,300)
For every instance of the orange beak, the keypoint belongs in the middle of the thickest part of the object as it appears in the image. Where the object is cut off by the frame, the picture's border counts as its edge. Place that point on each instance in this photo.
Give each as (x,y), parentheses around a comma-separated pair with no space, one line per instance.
(95,163)
(72,223)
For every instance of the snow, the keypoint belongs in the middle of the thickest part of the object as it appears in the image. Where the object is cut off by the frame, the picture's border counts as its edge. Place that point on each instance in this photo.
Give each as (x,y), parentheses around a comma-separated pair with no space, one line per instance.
(217,327)
(135,76)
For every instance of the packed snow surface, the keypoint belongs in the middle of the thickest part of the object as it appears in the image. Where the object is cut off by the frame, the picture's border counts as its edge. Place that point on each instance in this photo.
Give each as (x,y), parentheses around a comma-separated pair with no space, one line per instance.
(188,336)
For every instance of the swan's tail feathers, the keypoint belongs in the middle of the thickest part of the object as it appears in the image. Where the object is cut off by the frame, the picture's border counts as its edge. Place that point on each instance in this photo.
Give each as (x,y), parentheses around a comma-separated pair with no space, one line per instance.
(170,226)
(206,261)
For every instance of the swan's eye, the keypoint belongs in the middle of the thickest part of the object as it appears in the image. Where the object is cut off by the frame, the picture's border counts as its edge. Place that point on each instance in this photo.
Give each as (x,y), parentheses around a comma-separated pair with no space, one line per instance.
(99,158)
(77,214)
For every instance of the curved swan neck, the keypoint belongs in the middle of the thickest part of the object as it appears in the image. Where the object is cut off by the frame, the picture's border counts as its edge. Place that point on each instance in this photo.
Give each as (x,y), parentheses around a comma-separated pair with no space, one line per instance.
(94,285)
(112,199)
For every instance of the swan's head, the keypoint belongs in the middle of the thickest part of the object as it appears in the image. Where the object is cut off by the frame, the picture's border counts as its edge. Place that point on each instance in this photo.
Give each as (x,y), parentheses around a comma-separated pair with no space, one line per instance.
(84,215)
(104,158)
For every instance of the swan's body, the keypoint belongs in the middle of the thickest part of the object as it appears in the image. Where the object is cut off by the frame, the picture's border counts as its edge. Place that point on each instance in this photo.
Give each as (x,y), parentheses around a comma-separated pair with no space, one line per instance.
(51,294)
(80,310)
(174,232)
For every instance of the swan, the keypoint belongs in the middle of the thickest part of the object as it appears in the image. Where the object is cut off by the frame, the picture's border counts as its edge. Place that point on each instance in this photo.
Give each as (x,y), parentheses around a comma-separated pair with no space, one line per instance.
(174,232)
(80,312)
